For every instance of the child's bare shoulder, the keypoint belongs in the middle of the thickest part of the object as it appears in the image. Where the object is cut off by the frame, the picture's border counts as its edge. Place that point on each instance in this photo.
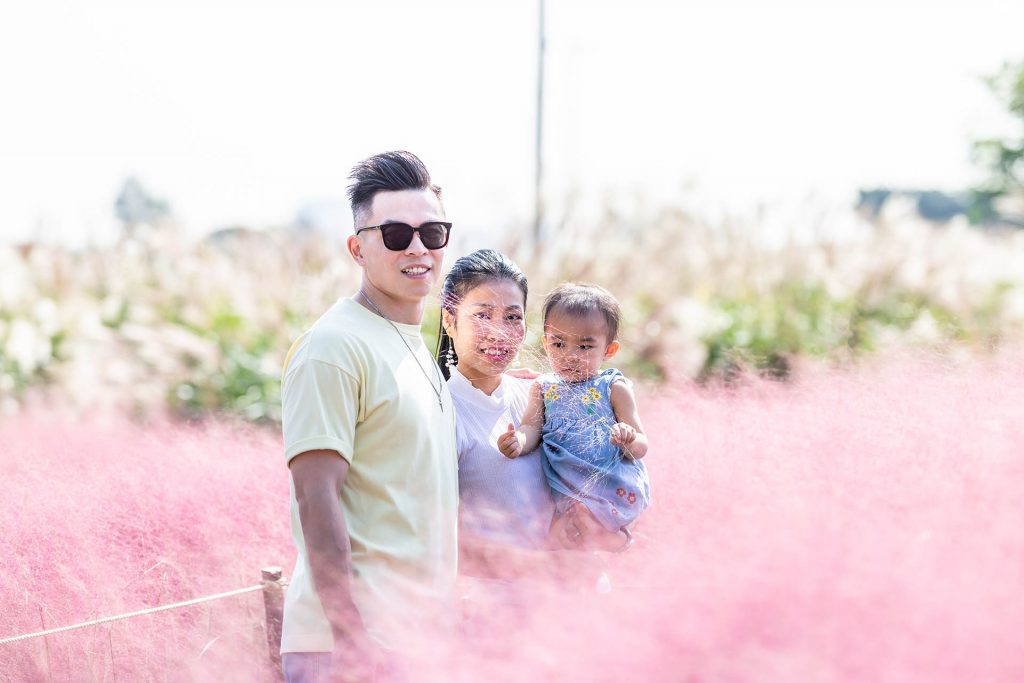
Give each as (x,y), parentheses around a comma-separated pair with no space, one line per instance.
(622,389)
(619,379)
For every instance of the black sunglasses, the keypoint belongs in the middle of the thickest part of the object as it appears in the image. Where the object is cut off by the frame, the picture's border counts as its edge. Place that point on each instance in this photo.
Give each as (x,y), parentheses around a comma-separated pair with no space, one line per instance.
(398,236)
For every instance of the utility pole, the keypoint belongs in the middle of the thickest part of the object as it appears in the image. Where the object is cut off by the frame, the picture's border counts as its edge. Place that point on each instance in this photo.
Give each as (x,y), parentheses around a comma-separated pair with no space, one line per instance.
(538,206)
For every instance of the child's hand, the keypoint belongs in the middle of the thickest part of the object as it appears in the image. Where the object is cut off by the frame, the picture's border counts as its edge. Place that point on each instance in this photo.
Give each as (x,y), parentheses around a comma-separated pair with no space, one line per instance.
(623,434)
(509,443)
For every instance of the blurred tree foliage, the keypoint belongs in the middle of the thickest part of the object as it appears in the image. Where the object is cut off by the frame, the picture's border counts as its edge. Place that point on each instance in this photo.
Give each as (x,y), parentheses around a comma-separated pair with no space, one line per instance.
(136,206)
(1002,158)
(801,319)
(244,382)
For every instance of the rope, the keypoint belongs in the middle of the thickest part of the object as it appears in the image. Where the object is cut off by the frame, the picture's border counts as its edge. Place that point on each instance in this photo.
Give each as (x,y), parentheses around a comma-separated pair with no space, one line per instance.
(151,610)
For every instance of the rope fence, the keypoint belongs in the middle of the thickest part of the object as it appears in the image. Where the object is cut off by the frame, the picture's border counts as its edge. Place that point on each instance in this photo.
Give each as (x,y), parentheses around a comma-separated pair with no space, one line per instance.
(129,615)
(272,585)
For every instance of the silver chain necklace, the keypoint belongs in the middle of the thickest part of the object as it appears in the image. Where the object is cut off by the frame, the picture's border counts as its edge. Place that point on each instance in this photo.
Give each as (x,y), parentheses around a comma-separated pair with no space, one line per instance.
(437,371)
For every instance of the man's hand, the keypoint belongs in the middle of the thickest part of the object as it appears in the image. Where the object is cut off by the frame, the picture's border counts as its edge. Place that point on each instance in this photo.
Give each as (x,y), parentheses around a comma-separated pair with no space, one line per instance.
(510,443)
(355,656)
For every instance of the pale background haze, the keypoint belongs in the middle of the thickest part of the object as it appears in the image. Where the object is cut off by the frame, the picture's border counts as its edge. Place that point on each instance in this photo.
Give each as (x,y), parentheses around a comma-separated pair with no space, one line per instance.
(244,113)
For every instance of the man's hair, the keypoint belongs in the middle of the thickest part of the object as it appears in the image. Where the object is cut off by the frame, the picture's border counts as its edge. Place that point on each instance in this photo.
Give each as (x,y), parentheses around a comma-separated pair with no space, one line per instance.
(468,272)
(386,172)
(578,299)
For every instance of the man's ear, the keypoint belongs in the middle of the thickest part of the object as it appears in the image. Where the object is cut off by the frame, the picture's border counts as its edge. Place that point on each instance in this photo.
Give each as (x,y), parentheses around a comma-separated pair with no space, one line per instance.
(355,249)
(612,349)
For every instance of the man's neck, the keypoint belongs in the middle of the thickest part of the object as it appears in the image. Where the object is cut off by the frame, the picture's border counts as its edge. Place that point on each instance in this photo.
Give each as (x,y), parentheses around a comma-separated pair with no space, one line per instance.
(393,309)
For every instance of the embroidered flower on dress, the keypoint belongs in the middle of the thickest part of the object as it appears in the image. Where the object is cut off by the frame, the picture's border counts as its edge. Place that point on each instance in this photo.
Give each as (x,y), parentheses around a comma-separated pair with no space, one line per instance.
(620,491)
(591,395)
(631,497)
(551,394)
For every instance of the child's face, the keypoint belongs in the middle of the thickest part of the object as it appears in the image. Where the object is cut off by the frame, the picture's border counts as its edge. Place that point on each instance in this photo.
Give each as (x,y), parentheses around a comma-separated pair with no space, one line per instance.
(577,345)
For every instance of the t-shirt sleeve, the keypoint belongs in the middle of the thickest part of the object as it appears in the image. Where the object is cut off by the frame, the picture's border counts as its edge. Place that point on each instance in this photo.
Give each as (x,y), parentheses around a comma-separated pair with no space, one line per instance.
(319,409)
(461,438)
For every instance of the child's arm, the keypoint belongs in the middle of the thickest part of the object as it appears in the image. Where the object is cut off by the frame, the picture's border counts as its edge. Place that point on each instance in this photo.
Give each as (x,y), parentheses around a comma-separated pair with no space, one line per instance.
(514,443)
(627,433)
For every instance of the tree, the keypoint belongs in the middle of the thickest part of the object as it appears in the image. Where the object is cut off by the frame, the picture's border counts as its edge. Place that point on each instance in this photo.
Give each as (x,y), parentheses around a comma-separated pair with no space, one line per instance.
(1003,158)
(135,206)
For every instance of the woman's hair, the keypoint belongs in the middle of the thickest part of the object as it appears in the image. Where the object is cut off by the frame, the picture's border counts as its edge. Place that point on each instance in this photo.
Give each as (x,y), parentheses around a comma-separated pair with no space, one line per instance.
(468,272)
(581,300)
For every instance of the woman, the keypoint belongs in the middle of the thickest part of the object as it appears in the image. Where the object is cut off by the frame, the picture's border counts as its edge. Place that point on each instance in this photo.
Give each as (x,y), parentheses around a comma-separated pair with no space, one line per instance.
(505,506)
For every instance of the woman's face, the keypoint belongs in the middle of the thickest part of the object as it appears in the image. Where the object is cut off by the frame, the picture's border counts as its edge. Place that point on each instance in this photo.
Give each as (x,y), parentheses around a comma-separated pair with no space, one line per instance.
(487,328)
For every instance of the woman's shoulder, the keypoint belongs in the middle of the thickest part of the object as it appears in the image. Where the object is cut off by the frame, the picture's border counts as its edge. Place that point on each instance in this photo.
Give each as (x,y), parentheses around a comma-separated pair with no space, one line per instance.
(517,389)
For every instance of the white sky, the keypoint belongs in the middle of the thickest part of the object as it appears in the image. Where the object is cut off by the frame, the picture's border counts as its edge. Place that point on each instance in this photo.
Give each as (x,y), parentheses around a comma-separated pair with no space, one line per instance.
(243,112)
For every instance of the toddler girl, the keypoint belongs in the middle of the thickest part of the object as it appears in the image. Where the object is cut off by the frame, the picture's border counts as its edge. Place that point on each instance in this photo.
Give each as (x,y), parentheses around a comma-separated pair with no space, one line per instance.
(586,418)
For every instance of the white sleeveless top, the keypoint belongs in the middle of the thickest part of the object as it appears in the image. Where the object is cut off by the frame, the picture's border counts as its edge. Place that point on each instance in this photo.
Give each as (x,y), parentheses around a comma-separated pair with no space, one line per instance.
(500,500)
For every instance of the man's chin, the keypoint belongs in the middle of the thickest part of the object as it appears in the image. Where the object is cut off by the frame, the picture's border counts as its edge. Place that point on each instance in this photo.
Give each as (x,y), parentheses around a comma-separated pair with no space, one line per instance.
(413,292)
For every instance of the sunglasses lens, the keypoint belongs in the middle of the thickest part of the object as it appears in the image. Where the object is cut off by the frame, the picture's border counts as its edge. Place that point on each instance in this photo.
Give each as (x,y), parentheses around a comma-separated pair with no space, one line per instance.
(434,235)
(398,236)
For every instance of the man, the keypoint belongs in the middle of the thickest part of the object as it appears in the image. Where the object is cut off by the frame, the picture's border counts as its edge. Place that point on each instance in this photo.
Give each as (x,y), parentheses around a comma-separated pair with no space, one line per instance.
(369,435)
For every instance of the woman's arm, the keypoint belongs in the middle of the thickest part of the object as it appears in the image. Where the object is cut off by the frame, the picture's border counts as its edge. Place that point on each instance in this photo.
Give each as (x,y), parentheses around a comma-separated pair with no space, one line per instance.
(479,557)
(482,558)
(579,529)
(627,433)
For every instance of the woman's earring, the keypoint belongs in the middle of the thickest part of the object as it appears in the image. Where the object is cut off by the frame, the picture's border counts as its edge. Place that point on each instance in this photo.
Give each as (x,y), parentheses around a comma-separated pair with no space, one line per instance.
(450,357)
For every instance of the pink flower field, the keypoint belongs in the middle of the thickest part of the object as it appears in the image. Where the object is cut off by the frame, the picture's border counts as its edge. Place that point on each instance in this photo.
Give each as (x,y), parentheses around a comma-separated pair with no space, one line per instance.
(850,526)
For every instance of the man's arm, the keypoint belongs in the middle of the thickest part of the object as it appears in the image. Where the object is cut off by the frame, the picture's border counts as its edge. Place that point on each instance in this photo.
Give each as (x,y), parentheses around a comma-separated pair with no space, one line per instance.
(514,443)
(627,433)
(318,477)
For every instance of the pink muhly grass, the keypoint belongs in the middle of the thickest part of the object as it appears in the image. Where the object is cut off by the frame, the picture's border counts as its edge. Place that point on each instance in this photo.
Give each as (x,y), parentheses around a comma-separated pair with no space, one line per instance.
(106,519)
(849,526)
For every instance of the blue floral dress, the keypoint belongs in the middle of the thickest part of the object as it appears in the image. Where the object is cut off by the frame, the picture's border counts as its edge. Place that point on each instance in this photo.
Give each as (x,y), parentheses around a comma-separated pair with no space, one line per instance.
(580,461)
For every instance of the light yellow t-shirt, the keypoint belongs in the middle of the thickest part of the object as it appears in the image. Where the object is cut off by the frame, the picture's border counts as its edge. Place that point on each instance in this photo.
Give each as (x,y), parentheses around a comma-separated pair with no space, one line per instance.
(351,385)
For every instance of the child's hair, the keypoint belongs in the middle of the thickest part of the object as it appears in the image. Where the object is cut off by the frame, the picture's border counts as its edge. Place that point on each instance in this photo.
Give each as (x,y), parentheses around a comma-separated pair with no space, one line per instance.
(579,299)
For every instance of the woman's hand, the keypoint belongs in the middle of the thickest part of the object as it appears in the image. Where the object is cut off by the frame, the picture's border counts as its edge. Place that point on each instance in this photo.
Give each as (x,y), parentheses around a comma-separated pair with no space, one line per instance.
(522,373)
(510,444)
(580,530)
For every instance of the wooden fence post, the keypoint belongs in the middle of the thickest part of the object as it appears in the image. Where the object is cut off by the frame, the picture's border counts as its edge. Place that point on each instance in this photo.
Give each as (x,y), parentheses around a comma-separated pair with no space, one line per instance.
(46,645)
(273,604)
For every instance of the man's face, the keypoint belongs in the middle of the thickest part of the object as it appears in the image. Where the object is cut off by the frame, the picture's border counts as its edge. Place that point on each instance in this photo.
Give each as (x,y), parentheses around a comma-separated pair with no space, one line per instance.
(408,275)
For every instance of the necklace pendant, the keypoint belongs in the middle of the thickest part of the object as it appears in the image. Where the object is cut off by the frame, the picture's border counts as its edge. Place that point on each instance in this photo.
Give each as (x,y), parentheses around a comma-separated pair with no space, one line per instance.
(439,391)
